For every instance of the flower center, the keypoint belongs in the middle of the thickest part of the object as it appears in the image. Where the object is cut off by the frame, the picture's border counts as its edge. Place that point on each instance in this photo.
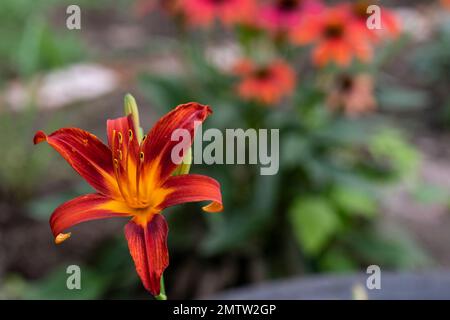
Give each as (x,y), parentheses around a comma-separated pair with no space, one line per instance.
(288,5)
(334,30)
(218,2)
(262,73)
(345,83)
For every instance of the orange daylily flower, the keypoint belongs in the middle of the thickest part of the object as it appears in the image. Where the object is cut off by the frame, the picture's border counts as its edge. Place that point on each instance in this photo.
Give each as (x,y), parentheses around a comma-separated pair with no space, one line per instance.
(335,37)
(267,84)
(132,179)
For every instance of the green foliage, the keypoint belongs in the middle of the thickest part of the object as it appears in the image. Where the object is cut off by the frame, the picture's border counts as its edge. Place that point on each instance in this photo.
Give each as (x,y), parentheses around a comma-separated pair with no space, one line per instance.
(314,222)
(354,201)
(390,247)
(389,144)
(20,169)
(30,43)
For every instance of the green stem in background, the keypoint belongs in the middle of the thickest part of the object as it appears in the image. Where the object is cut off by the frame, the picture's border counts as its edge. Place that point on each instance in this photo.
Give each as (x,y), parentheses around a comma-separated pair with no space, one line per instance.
(162,293)
(130,107)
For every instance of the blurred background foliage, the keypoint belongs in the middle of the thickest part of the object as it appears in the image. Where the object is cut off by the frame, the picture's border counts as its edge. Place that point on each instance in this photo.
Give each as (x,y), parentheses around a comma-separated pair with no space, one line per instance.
(325,210)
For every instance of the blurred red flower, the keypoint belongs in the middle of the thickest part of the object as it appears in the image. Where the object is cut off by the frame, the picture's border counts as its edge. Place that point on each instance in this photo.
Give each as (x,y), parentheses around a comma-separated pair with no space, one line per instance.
(132,179)
(266,84)
(335,37)
(281,16)
(205,12)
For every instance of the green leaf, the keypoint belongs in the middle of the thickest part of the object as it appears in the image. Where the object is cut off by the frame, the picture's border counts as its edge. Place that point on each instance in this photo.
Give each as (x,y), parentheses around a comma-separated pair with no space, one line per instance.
(314,222)
(388,246)
(337,260)
(354,201)
(390,145)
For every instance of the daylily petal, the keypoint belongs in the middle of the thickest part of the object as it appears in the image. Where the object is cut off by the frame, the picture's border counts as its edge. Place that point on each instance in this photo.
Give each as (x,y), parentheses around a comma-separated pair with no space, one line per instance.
(85,208)
(158,145)
(148,248)
(125,135)
(87,155)
(193,188)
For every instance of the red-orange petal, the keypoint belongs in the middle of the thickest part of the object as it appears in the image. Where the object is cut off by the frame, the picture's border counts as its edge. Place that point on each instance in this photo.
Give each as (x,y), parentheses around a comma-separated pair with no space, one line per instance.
(158,145)
(193,188)
(85,208)
(124,138)
(148,248)
(87,155)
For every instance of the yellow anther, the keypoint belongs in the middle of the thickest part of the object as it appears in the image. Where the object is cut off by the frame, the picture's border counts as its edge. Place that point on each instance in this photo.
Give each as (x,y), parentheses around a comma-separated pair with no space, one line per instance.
(119,136)
(141,156)
(116,163)
(119,152)
(130,134)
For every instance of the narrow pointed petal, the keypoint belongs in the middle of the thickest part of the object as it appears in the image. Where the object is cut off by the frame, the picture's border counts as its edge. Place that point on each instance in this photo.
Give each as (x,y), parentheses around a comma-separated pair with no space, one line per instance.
(85,208)
(124,137)
(157,146)
(87,155)
(124,145)
(193,188)
(148,248)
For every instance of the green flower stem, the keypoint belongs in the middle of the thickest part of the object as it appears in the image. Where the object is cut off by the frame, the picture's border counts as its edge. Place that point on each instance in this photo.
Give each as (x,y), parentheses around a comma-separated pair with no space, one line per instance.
(162,293)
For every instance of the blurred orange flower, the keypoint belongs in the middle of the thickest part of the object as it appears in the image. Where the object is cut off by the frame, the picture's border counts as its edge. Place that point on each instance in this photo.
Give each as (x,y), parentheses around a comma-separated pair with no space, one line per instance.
(335,37)
(446,4)
(279,16)
(133,178)
(266,84)
(204,12)
(353,94)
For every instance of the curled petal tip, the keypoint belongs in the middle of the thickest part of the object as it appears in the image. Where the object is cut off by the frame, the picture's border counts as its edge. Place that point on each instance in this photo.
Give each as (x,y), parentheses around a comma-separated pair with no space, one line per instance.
(39,137)
(213,207)
(62,237)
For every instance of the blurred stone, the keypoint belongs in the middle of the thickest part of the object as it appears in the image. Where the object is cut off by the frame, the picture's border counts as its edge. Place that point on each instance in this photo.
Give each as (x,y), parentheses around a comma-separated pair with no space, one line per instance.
(56,89)
(223,56)
(394,286)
